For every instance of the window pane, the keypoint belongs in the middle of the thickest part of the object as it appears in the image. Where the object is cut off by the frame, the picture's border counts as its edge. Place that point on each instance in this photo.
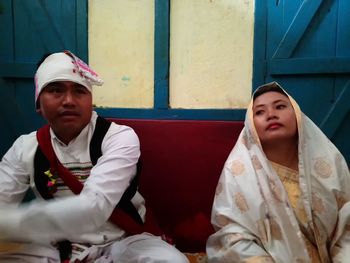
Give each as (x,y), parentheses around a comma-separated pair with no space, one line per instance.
(121,50)
(211,53)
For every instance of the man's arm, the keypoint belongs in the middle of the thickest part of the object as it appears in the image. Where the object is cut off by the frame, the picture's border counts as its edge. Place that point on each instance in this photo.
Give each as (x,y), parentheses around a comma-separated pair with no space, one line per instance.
(14,177)
(84,213)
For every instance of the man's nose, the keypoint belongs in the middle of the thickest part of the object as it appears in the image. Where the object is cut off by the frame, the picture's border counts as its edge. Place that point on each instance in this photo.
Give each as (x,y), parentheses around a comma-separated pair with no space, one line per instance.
(68,97)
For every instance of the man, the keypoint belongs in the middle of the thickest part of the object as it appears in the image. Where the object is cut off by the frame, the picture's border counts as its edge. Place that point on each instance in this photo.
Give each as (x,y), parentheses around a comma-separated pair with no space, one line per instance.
(82,192)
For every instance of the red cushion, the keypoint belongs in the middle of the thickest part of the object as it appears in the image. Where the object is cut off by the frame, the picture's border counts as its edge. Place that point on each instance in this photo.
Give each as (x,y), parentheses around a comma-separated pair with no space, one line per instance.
(181,163)
(193,232)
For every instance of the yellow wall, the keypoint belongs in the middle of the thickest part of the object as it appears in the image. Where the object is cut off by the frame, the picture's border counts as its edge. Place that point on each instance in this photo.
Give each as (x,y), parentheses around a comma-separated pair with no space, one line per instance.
(211,52)
(121,45)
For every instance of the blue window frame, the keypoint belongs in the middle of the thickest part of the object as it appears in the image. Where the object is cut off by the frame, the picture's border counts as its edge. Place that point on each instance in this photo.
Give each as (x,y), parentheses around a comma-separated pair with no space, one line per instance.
(161,109)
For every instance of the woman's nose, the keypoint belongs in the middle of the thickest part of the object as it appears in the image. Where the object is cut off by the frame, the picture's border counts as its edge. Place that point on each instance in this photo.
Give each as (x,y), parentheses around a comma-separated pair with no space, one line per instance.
(271,113)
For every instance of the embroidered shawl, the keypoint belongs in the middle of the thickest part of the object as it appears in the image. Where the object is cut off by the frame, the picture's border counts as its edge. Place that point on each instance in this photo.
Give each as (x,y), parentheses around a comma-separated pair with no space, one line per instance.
(252,215)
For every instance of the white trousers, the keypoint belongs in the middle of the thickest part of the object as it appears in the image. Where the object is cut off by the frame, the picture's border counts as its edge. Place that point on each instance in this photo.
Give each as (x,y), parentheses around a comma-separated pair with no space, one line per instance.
(142,248)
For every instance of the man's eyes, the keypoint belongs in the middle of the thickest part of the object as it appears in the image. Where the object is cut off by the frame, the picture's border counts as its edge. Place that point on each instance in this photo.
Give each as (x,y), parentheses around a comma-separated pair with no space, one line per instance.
(81,90)
(54,89)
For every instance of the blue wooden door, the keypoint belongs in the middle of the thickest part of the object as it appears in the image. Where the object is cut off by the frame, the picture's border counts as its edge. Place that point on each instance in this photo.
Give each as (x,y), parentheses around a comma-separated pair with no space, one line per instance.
(28,30)
(305,46)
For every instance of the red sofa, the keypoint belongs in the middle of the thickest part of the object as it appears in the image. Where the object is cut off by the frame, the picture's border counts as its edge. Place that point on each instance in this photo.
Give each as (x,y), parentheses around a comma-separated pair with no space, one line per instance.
(181,163)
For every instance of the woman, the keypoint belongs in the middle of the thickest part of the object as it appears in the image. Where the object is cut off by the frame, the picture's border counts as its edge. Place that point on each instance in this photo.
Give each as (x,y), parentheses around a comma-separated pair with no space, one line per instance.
(283,195)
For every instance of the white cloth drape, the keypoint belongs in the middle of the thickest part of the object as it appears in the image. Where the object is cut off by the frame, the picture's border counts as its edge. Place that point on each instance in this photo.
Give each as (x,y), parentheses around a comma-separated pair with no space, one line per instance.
(252,214)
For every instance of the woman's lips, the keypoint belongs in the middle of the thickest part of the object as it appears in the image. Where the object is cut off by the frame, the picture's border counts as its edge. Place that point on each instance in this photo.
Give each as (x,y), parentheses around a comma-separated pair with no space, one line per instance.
(273,126)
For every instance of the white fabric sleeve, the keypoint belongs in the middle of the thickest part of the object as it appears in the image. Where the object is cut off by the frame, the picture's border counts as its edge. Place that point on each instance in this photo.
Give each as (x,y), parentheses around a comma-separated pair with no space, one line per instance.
(66,217)
(232,241)
(237,244)
(14,177)
(340,249)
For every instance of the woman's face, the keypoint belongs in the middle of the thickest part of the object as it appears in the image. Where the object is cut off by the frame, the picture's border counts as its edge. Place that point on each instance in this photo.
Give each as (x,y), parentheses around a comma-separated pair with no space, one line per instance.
(274,118)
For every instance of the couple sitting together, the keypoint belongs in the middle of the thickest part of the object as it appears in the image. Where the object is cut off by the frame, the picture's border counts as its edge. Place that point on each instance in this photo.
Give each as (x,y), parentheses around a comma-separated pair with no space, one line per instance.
(283,195)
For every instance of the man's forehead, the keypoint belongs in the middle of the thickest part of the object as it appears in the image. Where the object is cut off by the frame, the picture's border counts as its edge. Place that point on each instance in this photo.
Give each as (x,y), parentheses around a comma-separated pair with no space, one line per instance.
(65,84)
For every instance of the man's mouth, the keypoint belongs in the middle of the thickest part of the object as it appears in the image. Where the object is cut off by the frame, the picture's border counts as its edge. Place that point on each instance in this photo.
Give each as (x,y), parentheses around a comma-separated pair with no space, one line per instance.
(69,114)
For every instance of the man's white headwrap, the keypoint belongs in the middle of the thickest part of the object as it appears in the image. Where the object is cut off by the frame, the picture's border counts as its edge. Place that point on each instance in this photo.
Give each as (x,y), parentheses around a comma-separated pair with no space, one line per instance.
(64,66)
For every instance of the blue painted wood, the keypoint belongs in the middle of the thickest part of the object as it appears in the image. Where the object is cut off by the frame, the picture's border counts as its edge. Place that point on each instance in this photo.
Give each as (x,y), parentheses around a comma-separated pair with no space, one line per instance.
(82,29)
(340,138)
(297,28)
(38,20)
(24,98)
(6,24)
(45,27)
(29,29)
(343,29)
(13,119)
(281,15)
(307,50)
(295,66)
(161,54)
(170,114)
(337,112)
(259,62)
(319,40)
(63,15)
(17,70)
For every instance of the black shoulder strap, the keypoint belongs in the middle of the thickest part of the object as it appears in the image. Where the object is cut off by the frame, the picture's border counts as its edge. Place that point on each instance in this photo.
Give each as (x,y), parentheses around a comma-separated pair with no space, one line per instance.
(42,165)
(101,128)
(125,204)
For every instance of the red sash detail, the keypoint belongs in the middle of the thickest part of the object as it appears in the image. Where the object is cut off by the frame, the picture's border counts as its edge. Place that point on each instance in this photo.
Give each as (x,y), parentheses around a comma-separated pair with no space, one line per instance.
(118,217)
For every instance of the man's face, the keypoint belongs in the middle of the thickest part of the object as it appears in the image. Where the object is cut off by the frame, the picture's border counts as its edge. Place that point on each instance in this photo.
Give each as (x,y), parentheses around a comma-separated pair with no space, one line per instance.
(67,106)
(274,118)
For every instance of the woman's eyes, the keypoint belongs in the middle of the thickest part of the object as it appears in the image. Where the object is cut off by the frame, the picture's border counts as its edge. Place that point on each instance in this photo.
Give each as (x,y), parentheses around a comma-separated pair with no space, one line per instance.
(281,106)
(278,107)
(259,112)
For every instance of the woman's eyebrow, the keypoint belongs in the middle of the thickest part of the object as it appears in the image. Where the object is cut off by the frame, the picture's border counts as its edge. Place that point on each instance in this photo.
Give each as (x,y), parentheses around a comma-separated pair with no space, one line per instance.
(259,106)
(274,102)
(277,101)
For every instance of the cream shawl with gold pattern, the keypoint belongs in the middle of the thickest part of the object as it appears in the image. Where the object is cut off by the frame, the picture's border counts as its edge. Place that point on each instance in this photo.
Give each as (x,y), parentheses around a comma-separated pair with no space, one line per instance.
(252,214)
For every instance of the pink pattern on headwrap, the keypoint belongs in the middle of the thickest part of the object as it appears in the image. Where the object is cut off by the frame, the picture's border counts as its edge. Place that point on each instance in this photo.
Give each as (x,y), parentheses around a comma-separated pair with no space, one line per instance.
(85,70)
(64,66)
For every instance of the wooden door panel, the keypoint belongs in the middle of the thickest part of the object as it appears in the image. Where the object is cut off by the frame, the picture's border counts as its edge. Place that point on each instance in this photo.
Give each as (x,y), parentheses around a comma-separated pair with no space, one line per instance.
(307,50)
(29,29)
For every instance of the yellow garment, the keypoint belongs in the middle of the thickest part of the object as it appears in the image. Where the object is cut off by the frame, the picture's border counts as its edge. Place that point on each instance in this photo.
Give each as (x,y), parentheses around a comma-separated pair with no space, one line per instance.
(9,246)
(290,180)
